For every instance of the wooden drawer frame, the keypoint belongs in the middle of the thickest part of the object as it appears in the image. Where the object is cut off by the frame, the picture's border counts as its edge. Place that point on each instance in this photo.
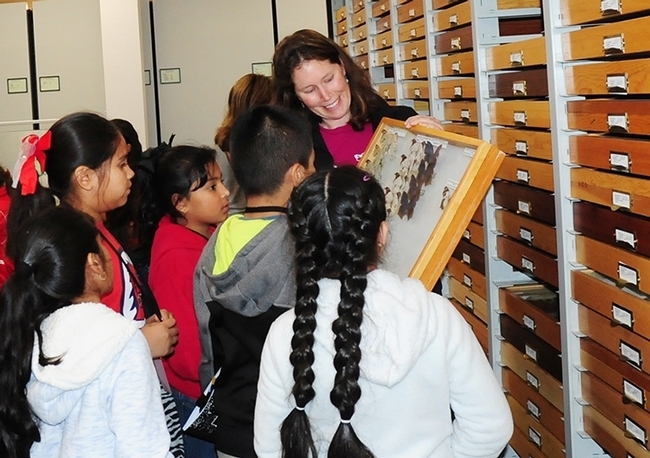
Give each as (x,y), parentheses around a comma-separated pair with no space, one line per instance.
(518,54)
(527,230)
(520,113)
(529,172)
(473,279)
(611,153)
(546,442)
(474,303)
(455,16)
(523,142)
(529,260)
(461,88)
(462,111)
(456,64)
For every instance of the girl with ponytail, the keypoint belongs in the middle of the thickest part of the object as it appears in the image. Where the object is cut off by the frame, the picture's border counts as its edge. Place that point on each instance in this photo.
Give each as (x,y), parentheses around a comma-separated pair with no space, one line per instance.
(368,364)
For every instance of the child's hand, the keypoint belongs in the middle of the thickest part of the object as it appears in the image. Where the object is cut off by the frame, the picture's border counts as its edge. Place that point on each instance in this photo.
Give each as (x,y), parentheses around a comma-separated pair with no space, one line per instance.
(162,336)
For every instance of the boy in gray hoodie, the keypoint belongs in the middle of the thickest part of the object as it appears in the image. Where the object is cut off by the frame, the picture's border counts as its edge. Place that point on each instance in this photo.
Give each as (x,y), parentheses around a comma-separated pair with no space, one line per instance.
(245,277)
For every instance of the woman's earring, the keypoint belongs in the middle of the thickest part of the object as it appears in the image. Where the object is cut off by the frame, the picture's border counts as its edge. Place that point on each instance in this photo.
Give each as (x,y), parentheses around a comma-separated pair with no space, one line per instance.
(346,79)
(103,276)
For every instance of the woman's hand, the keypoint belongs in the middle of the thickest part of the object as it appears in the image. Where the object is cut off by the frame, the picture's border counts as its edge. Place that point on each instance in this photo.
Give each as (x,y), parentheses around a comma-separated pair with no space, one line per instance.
(162,336)
(426,121)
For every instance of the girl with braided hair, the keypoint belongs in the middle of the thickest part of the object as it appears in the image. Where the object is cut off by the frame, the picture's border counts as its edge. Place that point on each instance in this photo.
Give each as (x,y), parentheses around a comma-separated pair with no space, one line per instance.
(368,364)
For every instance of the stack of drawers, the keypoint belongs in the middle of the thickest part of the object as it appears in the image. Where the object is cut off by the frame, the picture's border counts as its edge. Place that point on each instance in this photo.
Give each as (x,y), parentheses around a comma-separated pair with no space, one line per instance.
(359,34)
(382,53)
(607,68)
(413,65)
(341,17)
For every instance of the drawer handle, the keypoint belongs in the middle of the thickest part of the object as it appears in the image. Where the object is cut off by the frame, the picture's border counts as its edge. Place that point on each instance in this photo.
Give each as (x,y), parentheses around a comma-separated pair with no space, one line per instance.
(385,59)
(524,207)
(386,25)
(455,67)
(633,394)
(359,19)
(345,42)
(363,64)
(386,94)
(617,83)
(533,410)
(465,115)
(619,161)
(412,12)
(634,431)
(630,355)
(618,123)
(415,73)
(621,200)
(417,93)
(519,88)
(467,235)
(469,303)
(535,437)
(360,35)
(520,118)
(526,235)
(383,7)
(521,147)
(467,281)
(458,91)
(528,323)
(453,19)
(628,274)
(413,33)
(527,264)
(362,49)
(609,7)
(532,381)
(625,239)
(523,176)
(414,52)
(384,42)
(455,43)
(517,59)
(614,44)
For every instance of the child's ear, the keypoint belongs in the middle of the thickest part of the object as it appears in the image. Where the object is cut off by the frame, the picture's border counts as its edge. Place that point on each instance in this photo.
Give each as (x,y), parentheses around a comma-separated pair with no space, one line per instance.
(96,274)
(85,177)
(296,174)
(180,204)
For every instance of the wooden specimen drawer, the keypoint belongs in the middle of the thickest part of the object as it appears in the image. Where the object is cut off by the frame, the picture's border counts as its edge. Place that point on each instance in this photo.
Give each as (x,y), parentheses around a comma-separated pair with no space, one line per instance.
(524,83)
(533,347)
(621,265)
(523,53)
(382,41)
(384,57)
(625,37)
(360,33)
(538,407)
(383,23)
(456,64)
(620,77)
(529,260)
(530,172)
(516,4)
(469,277)
(467,130)
(527,230)
(610,189)
(610,437)
(624,230)
(341,14)
(579,11)
(410,11)
(460,88)
(622,306)
(521,113)
(416,70)
(359,48)
(478,327)
(438,4)
(471,255)
(401,2)
(523,142)
(358,18)
(341,28)
(387,91)
(536,433)
(623,116)
(381,8)
(478,214)
(455,16)
(342,40)
(527,201)
(412,30)
(467,298)
(523,446)
(362,61)
(632,384)
(413,50)
(357,5)
(416,90)
(465,111)
(456,40)
(630,418)
(535,377)
(521,26)
(474,234)
(613,153)
(536,308)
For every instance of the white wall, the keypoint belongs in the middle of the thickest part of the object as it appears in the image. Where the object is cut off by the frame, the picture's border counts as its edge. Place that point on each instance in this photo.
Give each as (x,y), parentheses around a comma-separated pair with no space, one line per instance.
(301,14)
(14,61)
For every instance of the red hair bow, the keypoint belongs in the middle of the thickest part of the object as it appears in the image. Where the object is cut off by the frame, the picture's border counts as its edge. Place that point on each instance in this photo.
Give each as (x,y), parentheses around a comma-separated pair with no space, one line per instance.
(33,161)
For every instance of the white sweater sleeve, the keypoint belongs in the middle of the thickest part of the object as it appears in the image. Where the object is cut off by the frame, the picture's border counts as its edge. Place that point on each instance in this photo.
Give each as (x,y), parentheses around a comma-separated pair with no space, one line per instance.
(483,422)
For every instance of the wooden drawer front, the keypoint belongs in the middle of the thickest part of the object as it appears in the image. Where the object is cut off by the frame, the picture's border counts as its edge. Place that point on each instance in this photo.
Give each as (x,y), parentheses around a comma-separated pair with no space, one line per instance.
(626,116)
(414,50)
(624,230)
(359,18)
(473,279)
(521,26)
(625,37)
(416,90)
(534,348)
(610,189)
(454,40)
(518,54)
(461,111)
(381,8)
(341,28)
(416,70)
(620,305)
(632,384)
(412,30)
(471,255)
(523,142)
(463,88)
(455,16)
(527,259)
(530,172)
(536,308)
(360,48)
(620,77)
(383,40)
(342,40)
(362,61)
(383,23)
(360,33)
(410,11)
(525,83)
(610,437)
(456,64)
(478,214)
(523,445)
(536,406)
(535,377)
(387,91)
(341,14)
(618,154)
(579,11)
(384,57)
(527,201)
(520,113)
(467,298)
(474,234)
(616,263)
(462,129)
(357,5)
(516,4)
(478,327)
(604,399)
(536,433)
(438,4)
(527,230)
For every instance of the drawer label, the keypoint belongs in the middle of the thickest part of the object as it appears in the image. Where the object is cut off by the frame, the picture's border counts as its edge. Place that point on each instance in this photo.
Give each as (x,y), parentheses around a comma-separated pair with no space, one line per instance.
(610,7)
(535,437)
(469,303)
(527,264)
(622,316)
(458,91)
(528,322)
(617,123)
(616,83)
(630,354)
(521,147)
(533,409)
(384,42)
(469,152)
(415,73)
(453,19)
(455,43)
(467,234)
(523,207)
(519,117)
(637,432)
(386,25)
(628,274)
(625,237)
(416,92)
(621,199)
(413,33)
(467,281)
(466,258)
(414,52)
(531,352)
(455,67)
(523,175)
(526,234)
(465,114)
(412,12)
(633,392)
(532,381)
(516,59)
(613,44)
(519,88)
(619,161)
(383,7)
(386,94)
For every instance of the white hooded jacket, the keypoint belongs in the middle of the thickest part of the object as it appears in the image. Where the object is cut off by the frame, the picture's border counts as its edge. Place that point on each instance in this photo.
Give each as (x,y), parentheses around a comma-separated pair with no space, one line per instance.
(103,398)
(420,360)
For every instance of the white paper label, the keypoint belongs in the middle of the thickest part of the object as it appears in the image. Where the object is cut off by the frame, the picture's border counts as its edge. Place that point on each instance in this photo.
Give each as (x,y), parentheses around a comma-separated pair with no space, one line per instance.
(617,82)
(383,7)
(413,32)
(466,258)
(385,59)
(518,87)
(467,280)
(523,207)
(621,199)
(467,234)
(532,380)
(633,392)
(527,264)
(522,175)
(532,409)
(362,49)
(528,322)
(363,64)
(455,67)
(526,234)
(465,115)
(455,43)
(531,353)
(617,121)
(619,161)
(519,117)
(521,147)
(469,152)
(469,303)
(453,19)
(384,42)
(625,237)
(414,73)
(516,58)
(614,43)
(622,316)
(417,92)
(458,91)
(411,12)
(610,5)
(386,24)
(414,52)
(628,274)
(386,93)
(635,430)
(631,354)
(535,437)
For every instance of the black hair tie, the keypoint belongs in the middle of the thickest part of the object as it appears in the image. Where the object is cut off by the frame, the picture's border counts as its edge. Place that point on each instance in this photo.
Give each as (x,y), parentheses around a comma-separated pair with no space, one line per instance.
(23,268)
